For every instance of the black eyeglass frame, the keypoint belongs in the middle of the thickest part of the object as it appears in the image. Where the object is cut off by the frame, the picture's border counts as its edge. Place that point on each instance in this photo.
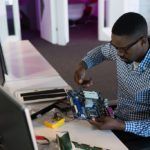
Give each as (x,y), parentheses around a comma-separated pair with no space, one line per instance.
(126,48)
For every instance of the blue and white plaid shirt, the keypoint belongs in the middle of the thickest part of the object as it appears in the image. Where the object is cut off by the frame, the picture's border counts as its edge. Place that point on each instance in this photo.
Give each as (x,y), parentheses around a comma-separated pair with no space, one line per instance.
(133,88)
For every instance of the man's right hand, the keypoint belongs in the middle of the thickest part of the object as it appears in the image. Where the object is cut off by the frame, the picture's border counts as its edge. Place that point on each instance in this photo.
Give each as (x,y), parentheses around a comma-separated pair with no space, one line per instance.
(79,76)
(108,123)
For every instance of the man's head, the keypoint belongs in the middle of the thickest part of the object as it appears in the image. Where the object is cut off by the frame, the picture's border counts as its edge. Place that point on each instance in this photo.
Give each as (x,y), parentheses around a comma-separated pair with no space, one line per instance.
(129,37)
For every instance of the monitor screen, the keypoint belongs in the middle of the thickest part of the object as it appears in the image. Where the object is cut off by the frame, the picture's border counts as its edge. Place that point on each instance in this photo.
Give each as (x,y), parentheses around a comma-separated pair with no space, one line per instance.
(3,69)
(16,130)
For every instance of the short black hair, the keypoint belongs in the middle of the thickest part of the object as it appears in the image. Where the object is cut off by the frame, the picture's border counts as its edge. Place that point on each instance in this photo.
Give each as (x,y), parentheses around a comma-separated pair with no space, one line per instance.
(130,24)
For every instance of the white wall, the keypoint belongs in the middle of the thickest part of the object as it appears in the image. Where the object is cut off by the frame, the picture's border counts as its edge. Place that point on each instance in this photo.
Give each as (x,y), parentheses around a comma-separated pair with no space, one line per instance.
(115,8)
(145,11)
(54,26)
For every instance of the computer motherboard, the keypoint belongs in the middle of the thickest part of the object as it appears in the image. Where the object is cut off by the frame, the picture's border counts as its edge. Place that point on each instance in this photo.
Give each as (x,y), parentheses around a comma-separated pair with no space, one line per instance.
(88,104)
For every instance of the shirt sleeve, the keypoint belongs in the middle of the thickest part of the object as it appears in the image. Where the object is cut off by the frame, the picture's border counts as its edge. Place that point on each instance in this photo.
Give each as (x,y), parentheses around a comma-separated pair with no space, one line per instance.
(100,54)
(141,128)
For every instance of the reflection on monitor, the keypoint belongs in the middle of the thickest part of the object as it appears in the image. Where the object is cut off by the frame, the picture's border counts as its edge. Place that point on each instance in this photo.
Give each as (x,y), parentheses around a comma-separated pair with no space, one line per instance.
(16,131)
(3,69)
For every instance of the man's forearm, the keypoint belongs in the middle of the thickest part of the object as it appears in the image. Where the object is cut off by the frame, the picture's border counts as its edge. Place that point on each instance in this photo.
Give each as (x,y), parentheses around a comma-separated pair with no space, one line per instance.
(141,128)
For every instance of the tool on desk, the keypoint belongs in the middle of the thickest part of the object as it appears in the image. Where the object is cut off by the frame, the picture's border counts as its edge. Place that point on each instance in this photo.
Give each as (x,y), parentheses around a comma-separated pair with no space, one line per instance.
(42,140)
(52,119)
(54,122)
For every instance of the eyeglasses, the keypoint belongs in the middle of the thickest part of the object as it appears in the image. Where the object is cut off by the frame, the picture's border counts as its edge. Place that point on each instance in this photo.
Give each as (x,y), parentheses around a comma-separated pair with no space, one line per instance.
(126,47)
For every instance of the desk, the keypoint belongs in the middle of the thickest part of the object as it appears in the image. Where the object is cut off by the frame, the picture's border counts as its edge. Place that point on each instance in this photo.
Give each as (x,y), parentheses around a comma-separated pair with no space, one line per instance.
(28,69)
(82,132)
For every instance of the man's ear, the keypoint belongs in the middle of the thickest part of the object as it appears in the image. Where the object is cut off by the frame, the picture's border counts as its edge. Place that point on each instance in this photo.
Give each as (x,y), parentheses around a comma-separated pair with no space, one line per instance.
(144,41)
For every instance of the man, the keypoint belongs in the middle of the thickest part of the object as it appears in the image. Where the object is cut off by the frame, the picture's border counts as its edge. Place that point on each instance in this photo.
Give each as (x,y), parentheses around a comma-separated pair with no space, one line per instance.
(129,48)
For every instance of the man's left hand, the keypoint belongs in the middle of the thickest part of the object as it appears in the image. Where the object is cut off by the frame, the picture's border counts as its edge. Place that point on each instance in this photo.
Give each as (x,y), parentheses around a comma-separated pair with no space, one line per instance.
(108,123)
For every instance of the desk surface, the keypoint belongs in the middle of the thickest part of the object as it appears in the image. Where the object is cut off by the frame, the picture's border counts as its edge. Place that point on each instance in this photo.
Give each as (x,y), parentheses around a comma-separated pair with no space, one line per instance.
(82,132)
(23,61)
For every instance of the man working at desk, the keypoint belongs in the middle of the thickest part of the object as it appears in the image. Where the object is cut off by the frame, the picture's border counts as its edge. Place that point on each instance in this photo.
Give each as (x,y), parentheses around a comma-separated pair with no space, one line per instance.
(129,48)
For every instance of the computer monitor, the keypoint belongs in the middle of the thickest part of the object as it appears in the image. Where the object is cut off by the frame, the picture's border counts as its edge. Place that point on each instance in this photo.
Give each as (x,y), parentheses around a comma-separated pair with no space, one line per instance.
(3,69)
(16,130)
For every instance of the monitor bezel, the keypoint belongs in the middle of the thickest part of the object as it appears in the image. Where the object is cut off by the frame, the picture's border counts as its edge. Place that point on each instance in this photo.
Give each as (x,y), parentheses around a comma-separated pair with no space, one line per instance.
(9,123)
(3,65)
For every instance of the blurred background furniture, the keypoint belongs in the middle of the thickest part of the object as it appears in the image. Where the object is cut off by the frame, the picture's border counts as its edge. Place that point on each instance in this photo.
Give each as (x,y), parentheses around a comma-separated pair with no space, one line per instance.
(91,7)
(75,11)
(81,10)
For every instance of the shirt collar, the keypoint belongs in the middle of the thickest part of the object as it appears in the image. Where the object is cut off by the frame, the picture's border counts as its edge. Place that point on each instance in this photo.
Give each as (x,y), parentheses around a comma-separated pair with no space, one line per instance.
(145,63)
